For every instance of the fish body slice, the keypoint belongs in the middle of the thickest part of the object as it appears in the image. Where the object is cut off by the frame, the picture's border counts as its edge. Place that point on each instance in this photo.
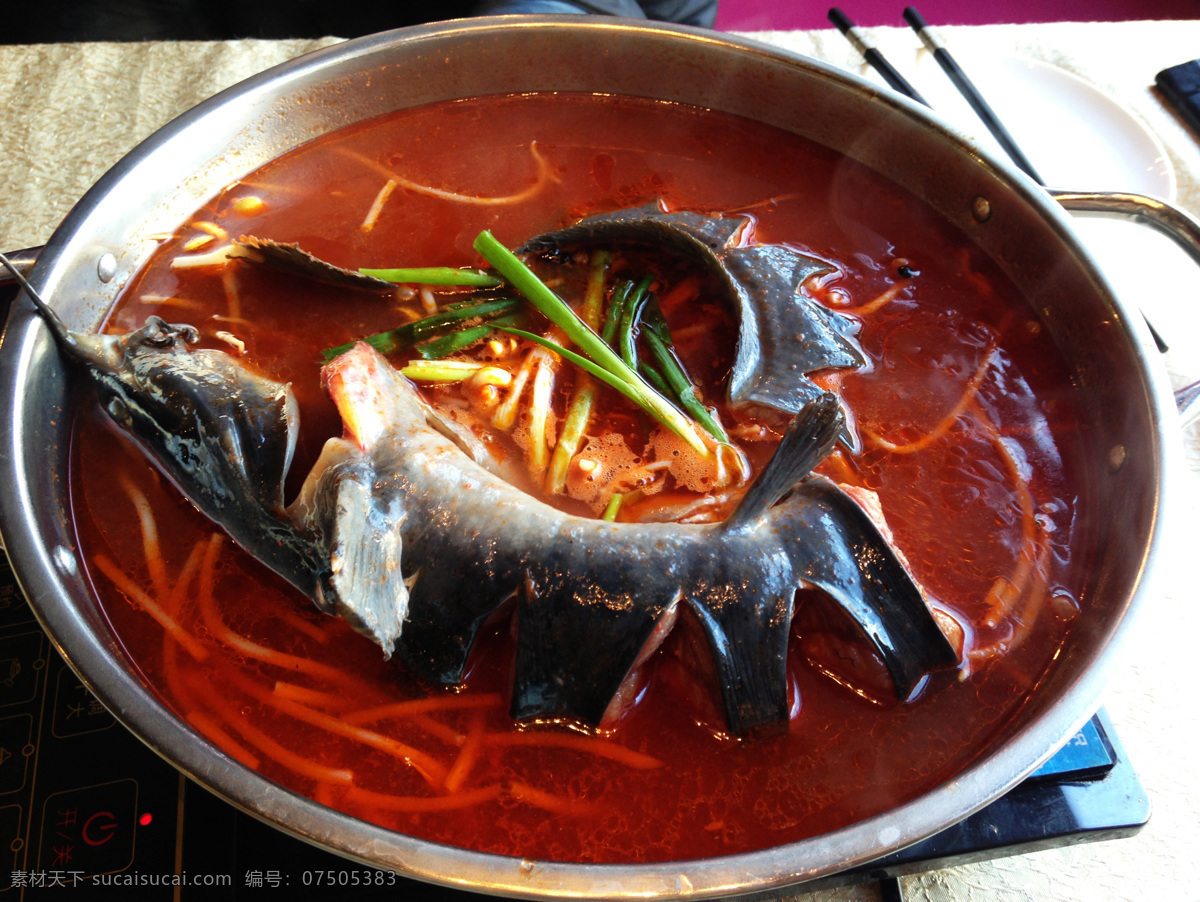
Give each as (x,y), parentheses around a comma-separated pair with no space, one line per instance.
(783,335)
(589,594)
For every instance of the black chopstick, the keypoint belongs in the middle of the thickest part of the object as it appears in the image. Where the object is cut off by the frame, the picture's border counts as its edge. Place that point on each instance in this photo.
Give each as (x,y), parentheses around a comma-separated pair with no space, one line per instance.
(968,90)
(993,123)
(873,56)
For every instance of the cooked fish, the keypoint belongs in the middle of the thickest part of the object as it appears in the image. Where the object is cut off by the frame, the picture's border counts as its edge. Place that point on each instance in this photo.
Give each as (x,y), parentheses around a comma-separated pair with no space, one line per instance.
(426,545)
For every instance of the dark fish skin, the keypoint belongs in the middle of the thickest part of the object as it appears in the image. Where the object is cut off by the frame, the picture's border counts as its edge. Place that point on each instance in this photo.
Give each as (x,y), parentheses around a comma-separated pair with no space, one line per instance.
(783,335)
(589,593)
(222,434)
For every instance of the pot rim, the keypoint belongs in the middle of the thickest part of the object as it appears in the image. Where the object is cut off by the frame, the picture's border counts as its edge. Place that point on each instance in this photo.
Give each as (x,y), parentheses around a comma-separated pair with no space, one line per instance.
(49,574)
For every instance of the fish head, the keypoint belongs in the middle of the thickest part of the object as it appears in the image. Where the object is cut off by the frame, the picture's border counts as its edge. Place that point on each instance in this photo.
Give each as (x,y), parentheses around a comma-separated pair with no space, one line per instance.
(223,433)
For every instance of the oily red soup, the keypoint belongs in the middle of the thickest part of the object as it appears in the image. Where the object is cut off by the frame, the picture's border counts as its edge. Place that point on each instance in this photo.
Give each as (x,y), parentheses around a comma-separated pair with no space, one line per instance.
(969,444)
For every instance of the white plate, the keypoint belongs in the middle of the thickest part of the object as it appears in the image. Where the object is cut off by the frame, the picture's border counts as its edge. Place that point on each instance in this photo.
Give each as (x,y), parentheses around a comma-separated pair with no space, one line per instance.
(1076,136)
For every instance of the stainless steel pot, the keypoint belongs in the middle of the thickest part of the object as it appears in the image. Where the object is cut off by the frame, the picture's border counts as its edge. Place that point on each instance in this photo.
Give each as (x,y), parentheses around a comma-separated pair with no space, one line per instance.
(108,236)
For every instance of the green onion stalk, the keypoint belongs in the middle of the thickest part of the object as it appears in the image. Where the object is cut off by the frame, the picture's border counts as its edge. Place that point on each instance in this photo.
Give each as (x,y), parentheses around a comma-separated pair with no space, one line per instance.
(412,333)
(583,395)
(441,370)
(446,345)
(658,338)
(631,315)
(602,362)
(613,508)
(435,275)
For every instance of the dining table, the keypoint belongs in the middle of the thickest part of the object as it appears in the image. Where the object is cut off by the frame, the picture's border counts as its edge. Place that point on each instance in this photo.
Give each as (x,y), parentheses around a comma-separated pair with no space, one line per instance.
(1080,98)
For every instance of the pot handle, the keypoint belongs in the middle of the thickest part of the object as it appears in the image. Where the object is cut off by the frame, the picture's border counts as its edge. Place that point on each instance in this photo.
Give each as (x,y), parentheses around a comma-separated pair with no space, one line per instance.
(1178,225)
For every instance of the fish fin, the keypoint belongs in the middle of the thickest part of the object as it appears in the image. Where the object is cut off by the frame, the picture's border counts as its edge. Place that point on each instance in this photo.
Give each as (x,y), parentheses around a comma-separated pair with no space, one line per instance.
(784,335)
(809,440)
(836,547)
(572,657)
(452,596)
(365,583)
(695,233)
(291,258)
(750,651)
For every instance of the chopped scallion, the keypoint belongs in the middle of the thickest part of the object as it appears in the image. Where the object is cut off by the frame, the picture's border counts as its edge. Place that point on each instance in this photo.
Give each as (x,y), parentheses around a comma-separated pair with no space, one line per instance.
(410,334)
(607,365)
(441,370)
(434,275)
(454,342)
(680,385)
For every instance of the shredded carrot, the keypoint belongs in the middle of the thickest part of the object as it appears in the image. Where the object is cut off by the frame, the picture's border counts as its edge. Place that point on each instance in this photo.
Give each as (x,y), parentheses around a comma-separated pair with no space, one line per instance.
(429,767)
(682,292)
(437,729)
(838,467)
(301,765)
(377,205)
(231,320)
(467,755)
(587,744)
(150,606)
(972,389)
(226,743)
(1032,571)
(978,281)
(1019,598)
(325,794)
(311,697)
(233,298)
(173,604)
(388,802)
(544,175)
(766,202)
(150,546)
(1029,527)
(531,795)
(422,706)
(303,625)
(871,306)
(207,604)
(158,300)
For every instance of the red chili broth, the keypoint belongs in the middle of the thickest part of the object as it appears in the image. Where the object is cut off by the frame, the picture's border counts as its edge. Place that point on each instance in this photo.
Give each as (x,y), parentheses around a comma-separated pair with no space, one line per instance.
(954,506)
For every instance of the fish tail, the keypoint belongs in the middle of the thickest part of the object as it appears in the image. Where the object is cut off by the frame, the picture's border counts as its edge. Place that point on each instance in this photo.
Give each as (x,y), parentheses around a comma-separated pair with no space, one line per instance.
(808,441)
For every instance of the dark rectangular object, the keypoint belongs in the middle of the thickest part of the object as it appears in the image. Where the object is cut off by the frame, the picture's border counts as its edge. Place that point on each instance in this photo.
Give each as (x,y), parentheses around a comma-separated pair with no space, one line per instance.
(1180,87)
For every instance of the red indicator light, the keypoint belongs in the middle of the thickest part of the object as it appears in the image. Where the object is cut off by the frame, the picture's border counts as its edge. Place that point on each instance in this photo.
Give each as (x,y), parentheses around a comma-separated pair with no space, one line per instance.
(145,819)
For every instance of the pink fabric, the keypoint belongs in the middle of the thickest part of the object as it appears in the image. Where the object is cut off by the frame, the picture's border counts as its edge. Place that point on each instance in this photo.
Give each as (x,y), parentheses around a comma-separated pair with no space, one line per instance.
(764,15)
